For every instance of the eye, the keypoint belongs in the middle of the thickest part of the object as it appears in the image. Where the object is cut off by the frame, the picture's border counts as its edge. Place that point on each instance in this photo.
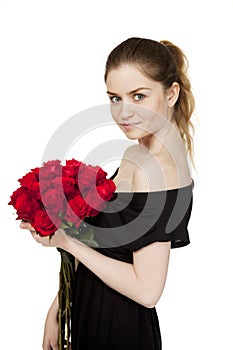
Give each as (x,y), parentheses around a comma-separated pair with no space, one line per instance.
(139,97)
(115,99)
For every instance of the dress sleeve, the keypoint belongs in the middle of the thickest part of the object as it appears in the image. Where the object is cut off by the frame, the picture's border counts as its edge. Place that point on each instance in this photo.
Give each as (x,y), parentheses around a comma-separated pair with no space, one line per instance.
(136,219)
(171,225)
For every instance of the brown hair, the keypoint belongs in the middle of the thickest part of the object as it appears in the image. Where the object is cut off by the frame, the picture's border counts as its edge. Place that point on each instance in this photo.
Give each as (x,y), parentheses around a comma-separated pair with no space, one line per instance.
(163,62)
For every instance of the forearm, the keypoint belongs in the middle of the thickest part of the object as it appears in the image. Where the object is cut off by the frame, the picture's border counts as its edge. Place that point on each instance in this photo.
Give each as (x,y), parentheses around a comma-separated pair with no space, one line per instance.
(116,274)
(53,310)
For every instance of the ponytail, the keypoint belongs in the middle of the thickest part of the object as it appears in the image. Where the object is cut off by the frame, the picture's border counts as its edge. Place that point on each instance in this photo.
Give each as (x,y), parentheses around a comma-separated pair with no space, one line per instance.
(185,104)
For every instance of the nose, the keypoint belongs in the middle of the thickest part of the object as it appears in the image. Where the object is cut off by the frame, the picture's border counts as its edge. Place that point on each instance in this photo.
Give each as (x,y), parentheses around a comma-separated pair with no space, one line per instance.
(126,111)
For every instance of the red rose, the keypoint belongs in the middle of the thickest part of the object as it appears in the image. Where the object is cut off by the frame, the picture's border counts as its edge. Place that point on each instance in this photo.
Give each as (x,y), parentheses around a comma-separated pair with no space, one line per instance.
(106,189)
(71,168)
(69,171)
(28,180)
(26,207)
(76,211)
(36,171)
(86,178)
(46,223)
(101,175)
(34,190)
(73,162)
(65,185)
(44,185)
(53,200)
(95,202)
(50,170)
(69,186)
(16,194)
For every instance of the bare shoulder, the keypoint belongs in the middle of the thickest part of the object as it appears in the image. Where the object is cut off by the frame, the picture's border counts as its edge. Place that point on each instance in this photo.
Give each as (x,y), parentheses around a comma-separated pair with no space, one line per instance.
(131,151)
(159,175)
(146,177)
(129,154)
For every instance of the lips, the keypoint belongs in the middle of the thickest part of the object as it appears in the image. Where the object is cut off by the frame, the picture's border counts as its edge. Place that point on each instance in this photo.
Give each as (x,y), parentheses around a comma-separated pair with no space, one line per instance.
(130,124)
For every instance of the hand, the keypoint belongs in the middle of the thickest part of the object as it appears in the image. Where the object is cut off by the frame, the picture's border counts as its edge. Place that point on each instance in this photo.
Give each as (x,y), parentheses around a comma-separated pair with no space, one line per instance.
(58,239)
(50,339)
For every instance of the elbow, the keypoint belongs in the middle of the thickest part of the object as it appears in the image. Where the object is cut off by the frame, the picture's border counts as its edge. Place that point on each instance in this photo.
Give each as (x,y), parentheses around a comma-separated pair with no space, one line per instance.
(150,301)
(145,301)
(149,295)
(150,304)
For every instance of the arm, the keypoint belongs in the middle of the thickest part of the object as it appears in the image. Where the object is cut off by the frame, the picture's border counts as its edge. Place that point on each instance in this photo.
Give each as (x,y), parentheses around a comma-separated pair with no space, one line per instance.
(143,281)
(54,307)
(50,339)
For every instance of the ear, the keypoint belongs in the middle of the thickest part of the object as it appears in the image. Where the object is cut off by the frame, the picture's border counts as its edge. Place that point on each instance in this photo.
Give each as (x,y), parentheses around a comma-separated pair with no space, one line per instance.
(173,94)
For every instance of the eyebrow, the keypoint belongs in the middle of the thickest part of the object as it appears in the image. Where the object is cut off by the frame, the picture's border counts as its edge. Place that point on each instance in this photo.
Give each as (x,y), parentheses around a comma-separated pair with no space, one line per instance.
(131,92)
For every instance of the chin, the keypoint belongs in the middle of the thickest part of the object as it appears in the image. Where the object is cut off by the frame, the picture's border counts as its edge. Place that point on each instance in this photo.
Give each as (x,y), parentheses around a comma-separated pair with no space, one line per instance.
(133,135)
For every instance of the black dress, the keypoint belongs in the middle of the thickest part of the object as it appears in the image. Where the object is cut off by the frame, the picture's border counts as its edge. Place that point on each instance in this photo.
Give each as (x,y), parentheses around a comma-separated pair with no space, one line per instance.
(102,318)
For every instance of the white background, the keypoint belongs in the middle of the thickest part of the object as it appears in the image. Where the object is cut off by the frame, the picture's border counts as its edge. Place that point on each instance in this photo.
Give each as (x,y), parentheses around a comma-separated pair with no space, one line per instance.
(52,64)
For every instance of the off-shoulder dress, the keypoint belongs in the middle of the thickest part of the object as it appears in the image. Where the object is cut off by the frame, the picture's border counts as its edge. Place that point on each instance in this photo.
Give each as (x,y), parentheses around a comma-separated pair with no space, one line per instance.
(102,318)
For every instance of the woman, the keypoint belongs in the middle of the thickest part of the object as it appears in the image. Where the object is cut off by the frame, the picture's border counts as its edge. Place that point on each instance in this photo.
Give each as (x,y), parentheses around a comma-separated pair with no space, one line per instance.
(117,287)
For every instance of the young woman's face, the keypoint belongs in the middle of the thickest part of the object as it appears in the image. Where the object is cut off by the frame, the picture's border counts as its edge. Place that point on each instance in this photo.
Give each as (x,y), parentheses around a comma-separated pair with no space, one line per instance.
(139,105)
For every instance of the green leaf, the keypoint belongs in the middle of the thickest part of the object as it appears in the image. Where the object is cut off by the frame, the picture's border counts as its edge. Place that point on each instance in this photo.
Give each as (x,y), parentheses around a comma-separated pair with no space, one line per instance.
(89,235)
(63,225)
(72,232)
(70,223)
(94,244)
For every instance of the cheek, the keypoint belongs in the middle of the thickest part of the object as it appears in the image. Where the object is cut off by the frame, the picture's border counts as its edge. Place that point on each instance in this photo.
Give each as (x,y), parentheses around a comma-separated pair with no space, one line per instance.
(153,121)
(115,111)
(159,106)
(157,111)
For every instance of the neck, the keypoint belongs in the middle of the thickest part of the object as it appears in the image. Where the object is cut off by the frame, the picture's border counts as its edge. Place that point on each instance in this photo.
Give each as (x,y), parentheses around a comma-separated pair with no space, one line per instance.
(168,137)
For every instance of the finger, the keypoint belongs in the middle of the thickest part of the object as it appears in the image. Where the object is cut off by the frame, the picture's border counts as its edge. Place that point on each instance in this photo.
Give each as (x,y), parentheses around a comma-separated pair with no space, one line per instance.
(26,225)
(46,346)
(42,240)
(34,234)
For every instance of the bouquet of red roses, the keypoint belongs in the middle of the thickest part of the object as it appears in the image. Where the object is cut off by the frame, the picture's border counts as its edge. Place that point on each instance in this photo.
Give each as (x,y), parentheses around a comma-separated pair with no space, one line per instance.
(61,196)
(54,196)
